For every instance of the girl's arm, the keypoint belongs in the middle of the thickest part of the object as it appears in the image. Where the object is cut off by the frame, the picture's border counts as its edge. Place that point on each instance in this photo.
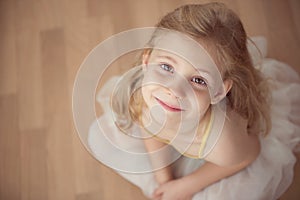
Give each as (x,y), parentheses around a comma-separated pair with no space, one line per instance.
(235,150)
(208,174)
(187,186)
(232,153)
(165,174)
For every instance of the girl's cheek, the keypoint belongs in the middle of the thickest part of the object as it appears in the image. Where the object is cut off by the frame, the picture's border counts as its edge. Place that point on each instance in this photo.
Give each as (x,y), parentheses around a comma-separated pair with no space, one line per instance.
(203,98)
(203,94)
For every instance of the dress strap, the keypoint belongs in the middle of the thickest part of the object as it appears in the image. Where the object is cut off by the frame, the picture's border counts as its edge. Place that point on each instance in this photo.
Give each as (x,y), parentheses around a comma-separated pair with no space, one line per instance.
(206,134)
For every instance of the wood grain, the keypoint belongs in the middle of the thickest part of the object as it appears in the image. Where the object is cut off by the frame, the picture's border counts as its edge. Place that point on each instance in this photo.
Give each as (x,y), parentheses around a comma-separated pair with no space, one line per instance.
(43,44)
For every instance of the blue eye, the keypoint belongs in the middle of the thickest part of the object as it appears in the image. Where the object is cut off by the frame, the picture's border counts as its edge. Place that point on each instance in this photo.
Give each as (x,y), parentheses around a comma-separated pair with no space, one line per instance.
(167,67)
(199,81)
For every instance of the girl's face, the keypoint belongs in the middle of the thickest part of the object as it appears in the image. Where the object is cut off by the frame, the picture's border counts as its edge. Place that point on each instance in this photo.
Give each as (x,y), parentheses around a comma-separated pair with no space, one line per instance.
(176,87)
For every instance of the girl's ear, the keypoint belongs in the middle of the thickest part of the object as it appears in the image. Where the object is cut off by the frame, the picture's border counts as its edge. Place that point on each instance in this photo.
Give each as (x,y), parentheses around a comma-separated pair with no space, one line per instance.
(221,94)
(145,58)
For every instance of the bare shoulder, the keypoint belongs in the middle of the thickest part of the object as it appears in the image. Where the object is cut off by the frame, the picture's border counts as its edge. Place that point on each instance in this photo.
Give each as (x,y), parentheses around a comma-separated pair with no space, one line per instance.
(235,146)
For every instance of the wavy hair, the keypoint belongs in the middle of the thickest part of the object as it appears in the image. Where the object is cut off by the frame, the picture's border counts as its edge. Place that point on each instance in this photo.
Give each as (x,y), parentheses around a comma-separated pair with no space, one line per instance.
(222,32)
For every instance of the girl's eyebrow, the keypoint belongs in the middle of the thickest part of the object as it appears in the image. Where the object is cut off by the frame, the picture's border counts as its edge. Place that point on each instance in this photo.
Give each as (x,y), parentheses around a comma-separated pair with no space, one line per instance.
(169,58)
(202,71)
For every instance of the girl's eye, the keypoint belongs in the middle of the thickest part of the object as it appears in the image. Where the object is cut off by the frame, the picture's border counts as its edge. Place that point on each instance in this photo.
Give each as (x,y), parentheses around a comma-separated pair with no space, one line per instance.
(199,81)
(167,67)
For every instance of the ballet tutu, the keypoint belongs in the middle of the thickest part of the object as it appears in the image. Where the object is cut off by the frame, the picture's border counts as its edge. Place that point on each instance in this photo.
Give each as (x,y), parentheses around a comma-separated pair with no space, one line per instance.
(267,178)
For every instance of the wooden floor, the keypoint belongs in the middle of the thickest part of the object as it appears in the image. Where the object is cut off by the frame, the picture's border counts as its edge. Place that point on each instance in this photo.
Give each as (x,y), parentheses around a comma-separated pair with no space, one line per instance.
(43,43)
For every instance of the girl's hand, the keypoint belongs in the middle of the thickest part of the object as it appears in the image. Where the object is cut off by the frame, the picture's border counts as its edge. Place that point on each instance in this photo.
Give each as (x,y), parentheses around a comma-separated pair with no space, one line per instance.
(172,190)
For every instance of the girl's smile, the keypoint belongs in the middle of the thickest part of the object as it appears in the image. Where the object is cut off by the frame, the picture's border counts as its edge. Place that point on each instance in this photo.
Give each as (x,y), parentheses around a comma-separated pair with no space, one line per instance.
(168,107)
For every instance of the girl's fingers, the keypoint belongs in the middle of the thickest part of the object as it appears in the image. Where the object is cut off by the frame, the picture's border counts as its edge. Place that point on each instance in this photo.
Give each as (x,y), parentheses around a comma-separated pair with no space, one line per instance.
(158,191)
(157,194)
(157,197)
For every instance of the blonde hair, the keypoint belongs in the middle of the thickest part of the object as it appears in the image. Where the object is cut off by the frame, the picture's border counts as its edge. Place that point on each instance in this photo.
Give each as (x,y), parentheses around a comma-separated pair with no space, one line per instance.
(223,33)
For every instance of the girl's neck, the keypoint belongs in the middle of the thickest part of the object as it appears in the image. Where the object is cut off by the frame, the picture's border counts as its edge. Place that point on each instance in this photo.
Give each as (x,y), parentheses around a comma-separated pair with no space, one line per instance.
(203,124)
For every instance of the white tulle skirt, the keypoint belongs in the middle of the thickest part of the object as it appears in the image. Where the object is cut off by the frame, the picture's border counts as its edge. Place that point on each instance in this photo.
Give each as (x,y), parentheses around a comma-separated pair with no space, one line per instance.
(267,178)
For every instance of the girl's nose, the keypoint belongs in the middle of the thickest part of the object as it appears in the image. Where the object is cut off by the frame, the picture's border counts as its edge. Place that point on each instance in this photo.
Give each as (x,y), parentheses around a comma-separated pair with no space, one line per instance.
(178,88)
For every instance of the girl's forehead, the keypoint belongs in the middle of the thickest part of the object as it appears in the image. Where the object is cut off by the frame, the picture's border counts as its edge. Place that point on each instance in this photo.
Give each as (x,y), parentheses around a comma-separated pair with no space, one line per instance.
(159,55)
(182,48)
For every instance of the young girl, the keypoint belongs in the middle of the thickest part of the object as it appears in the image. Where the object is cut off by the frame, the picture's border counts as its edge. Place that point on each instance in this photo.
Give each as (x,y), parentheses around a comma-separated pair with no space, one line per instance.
(213,122)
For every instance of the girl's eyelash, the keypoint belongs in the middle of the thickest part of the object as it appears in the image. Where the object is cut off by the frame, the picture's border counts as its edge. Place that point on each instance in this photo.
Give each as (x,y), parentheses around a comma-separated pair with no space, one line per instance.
(199,81)
(167,67)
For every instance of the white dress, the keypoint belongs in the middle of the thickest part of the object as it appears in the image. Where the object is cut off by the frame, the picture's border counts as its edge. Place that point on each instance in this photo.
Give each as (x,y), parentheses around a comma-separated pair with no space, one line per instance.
(267,178)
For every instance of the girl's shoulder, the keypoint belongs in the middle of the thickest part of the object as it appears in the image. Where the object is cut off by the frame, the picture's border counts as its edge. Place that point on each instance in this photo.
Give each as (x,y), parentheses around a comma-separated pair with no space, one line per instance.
(234,145)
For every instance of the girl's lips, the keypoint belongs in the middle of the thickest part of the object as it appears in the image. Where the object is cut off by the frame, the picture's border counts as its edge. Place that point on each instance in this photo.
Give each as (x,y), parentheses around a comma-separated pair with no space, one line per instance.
(168,107)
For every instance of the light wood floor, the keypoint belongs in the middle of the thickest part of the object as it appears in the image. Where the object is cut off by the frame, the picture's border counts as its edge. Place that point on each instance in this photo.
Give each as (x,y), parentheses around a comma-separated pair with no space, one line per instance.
(43,43)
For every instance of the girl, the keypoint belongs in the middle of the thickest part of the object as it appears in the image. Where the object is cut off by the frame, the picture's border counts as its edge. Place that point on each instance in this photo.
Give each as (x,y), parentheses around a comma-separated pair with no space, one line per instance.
(210,104)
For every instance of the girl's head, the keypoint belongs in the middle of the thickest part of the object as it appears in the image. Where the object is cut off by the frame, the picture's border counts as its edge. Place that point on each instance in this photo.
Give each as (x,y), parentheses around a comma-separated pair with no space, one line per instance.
(220,31)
